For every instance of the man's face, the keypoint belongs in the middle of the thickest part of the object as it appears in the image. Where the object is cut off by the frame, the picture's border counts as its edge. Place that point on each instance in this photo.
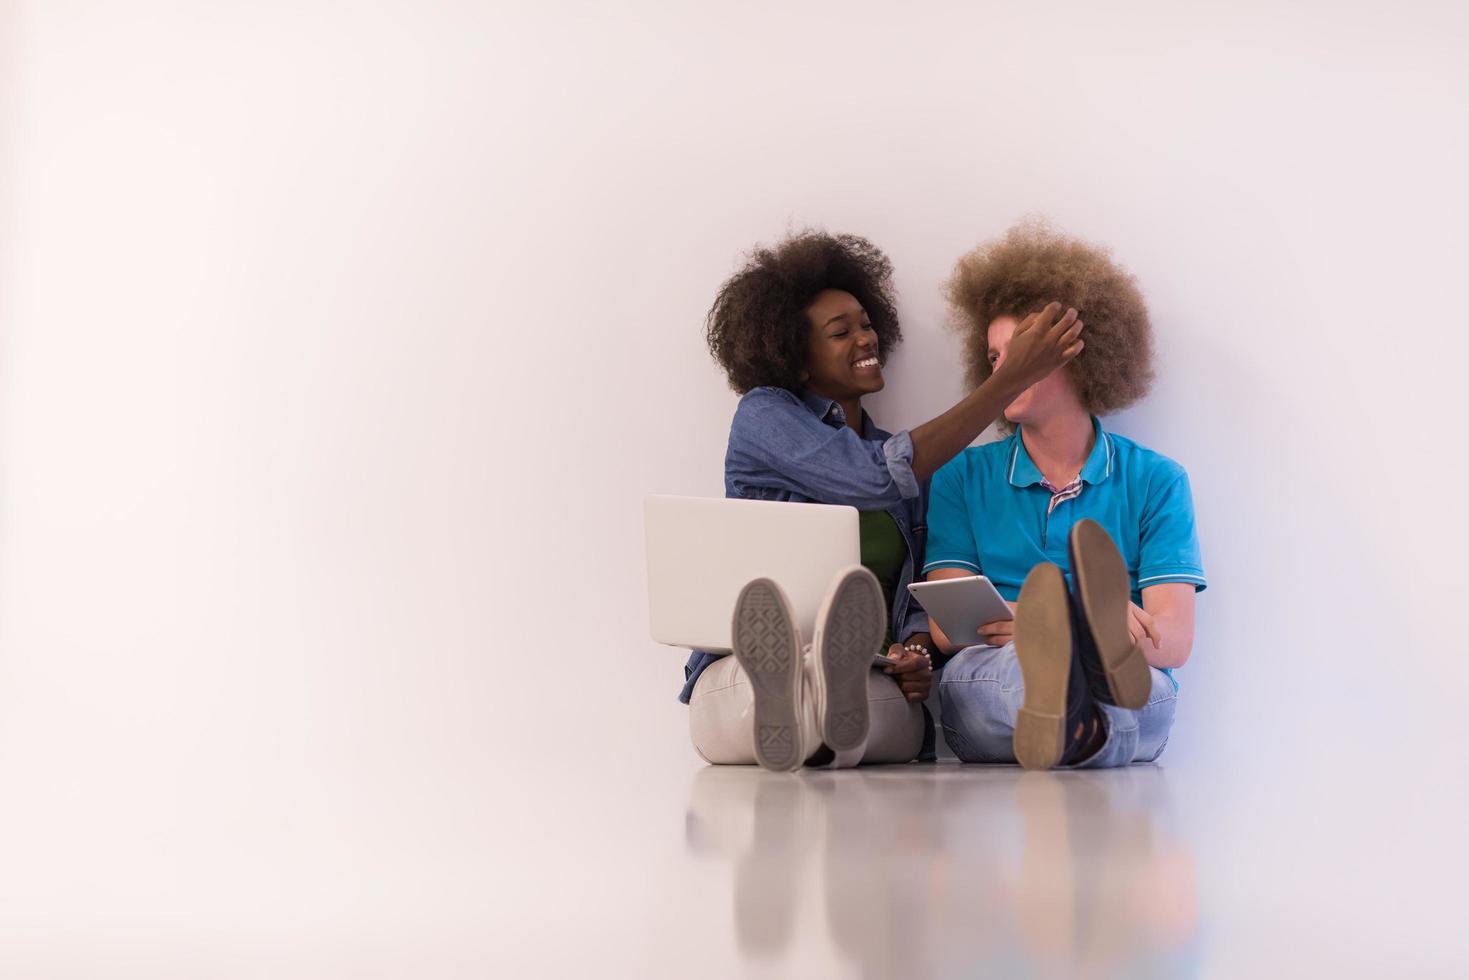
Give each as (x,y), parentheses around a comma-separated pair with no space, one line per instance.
(1052,394)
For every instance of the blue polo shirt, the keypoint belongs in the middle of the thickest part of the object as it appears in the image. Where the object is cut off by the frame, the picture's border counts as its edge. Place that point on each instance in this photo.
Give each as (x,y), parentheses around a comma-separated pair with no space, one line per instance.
(989,514)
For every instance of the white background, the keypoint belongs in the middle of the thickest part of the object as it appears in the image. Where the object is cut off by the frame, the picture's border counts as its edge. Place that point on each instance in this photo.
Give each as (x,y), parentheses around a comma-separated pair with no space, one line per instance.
(341,342)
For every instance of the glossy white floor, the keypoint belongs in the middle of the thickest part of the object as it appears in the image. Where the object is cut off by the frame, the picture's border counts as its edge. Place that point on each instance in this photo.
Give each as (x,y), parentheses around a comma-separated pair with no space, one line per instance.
(953,871)
(297,818)
(612,867)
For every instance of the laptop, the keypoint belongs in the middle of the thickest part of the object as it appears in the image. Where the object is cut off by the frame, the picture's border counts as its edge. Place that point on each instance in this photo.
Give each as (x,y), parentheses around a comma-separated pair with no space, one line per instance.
(702,551)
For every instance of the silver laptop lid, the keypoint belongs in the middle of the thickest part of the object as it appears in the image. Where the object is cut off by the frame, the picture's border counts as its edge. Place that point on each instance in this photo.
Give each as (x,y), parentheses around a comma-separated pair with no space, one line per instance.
(702,551)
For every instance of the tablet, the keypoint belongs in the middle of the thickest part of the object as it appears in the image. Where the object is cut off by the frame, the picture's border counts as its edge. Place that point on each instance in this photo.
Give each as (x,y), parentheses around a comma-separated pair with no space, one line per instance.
(960,606)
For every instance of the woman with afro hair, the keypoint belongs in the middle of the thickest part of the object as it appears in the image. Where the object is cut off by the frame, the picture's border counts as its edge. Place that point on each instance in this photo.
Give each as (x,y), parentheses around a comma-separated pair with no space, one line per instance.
(1088,535)
(802,332)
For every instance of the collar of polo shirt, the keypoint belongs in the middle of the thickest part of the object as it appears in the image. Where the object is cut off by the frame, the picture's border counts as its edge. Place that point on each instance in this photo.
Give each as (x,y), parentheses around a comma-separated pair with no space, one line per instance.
(1098,466)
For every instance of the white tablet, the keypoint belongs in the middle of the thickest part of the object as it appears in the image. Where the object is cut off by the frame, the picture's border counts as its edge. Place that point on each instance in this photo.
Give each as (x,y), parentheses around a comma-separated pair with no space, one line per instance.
(960,606)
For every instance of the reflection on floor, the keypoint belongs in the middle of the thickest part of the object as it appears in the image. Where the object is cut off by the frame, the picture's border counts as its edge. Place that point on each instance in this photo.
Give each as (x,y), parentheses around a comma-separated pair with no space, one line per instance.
(1270,862)
(924,871)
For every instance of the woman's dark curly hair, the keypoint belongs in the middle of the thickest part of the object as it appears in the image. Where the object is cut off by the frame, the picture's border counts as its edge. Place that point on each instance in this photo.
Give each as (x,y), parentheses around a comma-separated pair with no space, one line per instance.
(757,328)
(1019,274)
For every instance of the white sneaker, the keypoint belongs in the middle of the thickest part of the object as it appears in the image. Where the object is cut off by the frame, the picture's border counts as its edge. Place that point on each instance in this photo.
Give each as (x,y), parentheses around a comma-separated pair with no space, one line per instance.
(849,629)
(769,649)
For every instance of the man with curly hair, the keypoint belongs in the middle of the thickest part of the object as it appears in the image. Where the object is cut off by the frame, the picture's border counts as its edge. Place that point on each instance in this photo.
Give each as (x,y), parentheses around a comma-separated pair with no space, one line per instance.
(1088,535)
(802,332)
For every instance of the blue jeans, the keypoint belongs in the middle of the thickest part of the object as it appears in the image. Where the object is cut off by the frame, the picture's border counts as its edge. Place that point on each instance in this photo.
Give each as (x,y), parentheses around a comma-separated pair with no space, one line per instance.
(981,692)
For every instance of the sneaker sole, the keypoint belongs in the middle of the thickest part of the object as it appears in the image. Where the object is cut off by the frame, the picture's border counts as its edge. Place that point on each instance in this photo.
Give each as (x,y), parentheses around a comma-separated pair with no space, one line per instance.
(849,630)
(768,648)
(1104,590)
(1043,646)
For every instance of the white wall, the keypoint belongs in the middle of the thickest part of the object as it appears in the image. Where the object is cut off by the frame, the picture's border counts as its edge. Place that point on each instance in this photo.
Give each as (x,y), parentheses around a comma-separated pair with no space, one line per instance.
(336,335)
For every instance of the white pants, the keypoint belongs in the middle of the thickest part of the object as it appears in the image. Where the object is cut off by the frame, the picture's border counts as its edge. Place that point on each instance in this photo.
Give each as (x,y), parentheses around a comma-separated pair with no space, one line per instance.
(722,707)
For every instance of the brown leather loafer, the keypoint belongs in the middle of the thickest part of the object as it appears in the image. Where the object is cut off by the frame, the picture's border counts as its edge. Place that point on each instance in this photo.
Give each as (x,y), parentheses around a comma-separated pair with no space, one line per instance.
(1117,672)
(1043,647)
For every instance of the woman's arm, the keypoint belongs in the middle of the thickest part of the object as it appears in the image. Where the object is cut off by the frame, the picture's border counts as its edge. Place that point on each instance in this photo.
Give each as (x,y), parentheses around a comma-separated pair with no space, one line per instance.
(1041,344)
(777,444)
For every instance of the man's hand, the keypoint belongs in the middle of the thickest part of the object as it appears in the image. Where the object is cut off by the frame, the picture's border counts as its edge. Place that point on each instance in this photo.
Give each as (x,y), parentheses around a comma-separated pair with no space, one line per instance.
(913,671)
(1140,624)
(1000,632)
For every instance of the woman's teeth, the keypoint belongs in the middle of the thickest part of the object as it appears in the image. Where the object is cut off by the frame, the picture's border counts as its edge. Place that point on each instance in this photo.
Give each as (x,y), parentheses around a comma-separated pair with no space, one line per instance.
(869,362)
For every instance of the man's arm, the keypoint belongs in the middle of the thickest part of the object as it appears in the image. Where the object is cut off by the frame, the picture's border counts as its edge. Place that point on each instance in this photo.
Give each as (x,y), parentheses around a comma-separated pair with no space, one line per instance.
(940,640)
(1164,626)
(1167,617)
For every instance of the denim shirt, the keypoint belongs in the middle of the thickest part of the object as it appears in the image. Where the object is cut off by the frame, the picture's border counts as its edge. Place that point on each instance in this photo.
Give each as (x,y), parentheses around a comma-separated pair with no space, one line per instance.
(798,447)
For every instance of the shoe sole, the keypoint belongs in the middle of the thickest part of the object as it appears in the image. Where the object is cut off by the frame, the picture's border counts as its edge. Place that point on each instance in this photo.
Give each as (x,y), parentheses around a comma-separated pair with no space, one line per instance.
(768,647)
(849,630)
(1043,646)
(1104,590)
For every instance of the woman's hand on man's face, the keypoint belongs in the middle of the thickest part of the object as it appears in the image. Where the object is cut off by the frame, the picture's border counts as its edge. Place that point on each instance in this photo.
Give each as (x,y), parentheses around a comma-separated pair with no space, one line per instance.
(1042,343)
(912,670)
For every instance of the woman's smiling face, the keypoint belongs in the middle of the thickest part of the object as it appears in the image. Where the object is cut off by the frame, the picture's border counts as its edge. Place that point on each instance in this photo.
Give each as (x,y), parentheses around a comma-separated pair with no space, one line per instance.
(842,360)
